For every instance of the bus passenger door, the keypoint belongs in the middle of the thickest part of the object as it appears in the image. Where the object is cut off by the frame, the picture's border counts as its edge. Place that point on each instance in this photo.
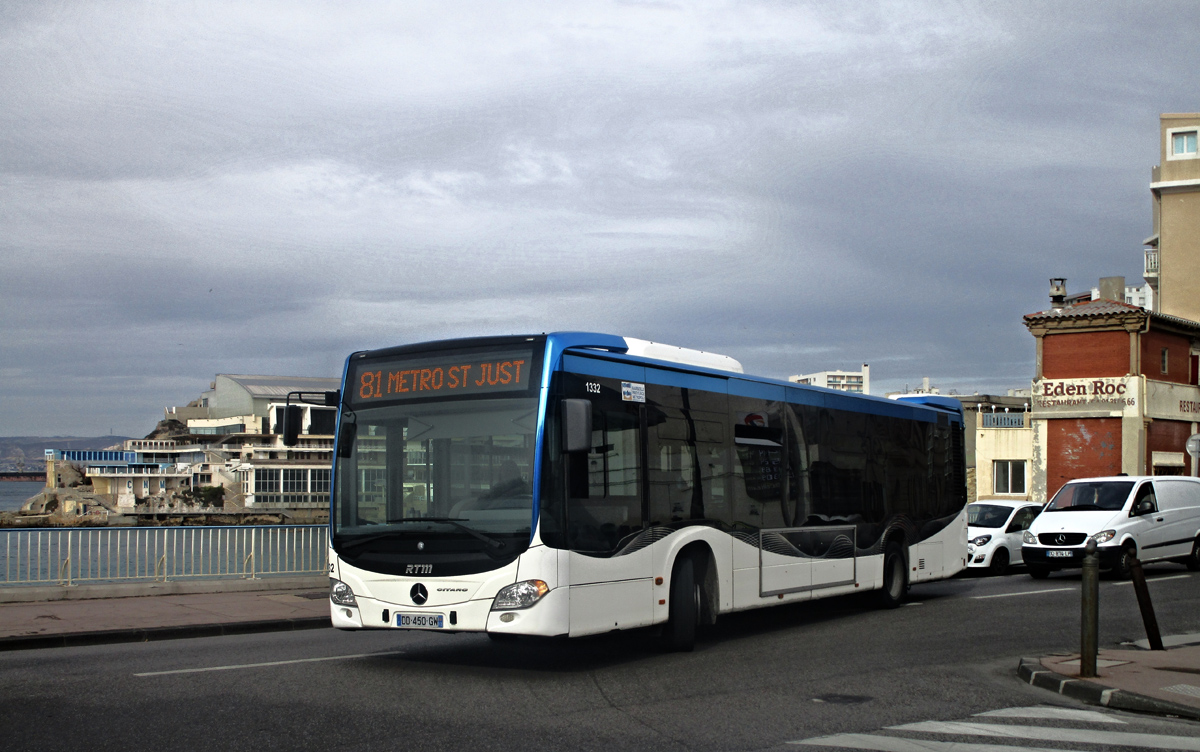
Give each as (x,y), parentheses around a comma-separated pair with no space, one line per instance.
(610,573)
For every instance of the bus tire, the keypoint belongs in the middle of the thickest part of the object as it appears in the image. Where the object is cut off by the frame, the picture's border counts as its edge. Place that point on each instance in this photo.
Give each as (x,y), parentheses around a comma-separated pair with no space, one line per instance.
(895,576)
(679,634)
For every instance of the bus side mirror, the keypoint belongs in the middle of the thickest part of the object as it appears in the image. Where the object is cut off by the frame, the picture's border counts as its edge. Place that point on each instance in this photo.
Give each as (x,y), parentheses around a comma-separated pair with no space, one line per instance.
(345,439)
(576,425)
(333,399)
(293,416)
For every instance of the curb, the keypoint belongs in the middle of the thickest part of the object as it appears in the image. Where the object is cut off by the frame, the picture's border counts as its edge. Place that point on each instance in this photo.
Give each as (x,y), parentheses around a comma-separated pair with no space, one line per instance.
(1031,671)
(78,639)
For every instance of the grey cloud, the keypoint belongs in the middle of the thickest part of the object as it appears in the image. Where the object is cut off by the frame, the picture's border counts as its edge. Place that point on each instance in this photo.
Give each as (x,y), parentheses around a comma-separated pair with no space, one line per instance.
(803,186)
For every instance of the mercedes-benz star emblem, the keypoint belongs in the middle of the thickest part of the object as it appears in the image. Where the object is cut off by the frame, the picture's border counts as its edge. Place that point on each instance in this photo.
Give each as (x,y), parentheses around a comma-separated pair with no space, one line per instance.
(1060,539)
(420,545)
(418,594)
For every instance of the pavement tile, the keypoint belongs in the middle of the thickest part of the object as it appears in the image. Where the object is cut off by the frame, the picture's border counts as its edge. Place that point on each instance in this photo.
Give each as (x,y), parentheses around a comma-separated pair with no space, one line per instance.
(154,612)
(1160,674)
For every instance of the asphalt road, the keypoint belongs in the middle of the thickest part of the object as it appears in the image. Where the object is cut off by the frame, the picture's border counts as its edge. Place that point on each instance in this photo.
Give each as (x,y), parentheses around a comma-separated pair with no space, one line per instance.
(760,680)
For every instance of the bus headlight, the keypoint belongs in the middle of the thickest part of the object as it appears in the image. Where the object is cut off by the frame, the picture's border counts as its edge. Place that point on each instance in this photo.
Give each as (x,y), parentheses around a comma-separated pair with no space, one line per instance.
(520,595)
(1027,537)
(1104,536)
(340,593)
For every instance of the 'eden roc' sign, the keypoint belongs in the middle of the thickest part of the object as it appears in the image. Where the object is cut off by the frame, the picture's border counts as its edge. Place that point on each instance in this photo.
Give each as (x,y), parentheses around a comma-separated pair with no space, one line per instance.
(1083,395)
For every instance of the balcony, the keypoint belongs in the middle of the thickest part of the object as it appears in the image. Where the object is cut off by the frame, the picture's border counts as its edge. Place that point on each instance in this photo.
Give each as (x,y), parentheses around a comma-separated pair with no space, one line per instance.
(1003,420)
(1151,264)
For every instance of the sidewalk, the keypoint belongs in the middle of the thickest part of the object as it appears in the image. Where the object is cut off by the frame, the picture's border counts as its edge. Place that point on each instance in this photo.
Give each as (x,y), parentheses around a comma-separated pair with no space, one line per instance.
(1154,681)
(140,618)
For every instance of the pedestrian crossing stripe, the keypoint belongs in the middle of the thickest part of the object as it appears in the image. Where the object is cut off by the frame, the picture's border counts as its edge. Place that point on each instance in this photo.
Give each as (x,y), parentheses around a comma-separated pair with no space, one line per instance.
(883,742)
(1047,734)
(1052,712)
(899,744)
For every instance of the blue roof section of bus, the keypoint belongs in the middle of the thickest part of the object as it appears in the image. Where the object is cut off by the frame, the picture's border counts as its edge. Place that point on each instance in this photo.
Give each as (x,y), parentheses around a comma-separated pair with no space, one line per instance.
(630,368)
(932,400)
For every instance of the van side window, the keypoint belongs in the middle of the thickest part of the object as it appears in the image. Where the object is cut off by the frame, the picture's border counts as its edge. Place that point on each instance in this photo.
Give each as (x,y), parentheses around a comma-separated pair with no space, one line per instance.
(1145,492)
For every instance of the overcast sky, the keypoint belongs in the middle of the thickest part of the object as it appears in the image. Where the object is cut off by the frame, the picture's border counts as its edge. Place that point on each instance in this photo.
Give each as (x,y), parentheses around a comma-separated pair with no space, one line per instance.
(192,189)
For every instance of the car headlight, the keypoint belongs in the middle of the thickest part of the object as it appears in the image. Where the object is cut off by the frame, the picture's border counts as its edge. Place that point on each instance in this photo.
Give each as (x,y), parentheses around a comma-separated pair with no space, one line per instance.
(981,540)
(520,595)
(340,593)
(1104,536)
(1028,537)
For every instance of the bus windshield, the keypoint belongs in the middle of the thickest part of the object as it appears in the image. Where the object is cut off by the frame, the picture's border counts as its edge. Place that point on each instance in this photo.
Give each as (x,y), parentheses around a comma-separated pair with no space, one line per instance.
(458,469)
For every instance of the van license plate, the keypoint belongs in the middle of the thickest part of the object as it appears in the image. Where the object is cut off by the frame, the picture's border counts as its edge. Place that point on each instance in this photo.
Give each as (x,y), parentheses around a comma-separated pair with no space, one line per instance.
(420,621)
(1060,554)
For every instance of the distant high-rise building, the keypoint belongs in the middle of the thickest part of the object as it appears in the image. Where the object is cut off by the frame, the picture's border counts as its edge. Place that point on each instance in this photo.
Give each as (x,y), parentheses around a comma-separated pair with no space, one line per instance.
(845,381)
(1172,260)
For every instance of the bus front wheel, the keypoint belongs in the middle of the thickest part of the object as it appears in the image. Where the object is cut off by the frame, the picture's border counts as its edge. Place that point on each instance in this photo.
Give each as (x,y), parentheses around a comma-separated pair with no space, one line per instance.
(680,631)
(895,576)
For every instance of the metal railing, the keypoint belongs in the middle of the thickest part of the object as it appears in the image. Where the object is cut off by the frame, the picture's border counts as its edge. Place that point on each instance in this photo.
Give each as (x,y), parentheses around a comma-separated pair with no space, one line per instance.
(67,556)
(1003,420)
(1151,266)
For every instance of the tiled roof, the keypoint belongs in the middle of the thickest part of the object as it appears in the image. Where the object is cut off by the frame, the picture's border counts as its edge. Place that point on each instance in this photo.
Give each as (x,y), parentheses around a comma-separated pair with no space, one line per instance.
(1099,307)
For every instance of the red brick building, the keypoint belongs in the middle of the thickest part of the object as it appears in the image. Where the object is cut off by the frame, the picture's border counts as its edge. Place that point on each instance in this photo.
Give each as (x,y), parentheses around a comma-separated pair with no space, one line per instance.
(1115,392)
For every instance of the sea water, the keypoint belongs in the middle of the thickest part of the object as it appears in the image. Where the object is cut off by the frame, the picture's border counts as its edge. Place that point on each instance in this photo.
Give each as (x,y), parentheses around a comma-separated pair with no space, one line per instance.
(14,493)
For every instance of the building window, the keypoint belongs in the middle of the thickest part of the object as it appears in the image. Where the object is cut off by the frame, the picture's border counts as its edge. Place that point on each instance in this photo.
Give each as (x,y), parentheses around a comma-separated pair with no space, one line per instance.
(1163,362)
(320,481)
(266,481)
(1008,476)
(1183,144)
(295,480)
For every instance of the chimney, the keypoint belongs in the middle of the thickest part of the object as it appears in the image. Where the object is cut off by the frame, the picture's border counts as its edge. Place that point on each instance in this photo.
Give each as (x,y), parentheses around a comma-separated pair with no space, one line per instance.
(1112,288)
(1058,292)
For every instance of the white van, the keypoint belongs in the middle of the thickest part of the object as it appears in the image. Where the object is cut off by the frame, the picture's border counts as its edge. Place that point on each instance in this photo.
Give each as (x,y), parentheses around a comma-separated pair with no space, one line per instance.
(1152,518)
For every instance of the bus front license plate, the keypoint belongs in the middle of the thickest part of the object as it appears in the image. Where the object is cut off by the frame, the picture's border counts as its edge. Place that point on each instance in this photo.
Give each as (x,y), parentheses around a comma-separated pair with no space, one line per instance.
(1060,554)
(420,621)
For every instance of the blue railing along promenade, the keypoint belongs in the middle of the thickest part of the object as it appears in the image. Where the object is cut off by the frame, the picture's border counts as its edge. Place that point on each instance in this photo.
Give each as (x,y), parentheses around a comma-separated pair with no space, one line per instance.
(67,556)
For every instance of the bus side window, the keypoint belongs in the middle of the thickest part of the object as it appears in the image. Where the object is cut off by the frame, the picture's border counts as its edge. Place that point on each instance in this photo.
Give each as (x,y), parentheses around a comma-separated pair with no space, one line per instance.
(605,497)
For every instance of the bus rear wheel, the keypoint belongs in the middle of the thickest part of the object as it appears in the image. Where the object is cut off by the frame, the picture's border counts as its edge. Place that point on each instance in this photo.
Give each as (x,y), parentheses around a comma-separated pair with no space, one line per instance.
(895,576)
(679,633)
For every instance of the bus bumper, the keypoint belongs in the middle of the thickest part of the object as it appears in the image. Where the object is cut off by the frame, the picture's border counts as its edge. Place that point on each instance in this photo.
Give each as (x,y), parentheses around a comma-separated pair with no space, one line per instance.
(550,616)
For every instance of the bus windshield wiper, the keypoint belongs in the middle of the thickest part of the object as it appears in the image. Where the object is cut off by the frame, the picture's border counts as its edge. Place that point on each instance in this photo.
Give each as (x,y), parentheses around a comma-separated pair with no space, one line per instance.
(468,530)
(363,540)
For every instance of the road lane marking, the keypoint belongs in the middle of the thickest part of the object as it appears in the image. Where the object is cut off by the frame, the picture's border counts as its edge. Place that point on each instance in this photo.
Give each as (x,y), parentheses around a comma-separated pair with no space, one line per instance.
(1024,592)
(897,744)
(1045,734)
(1158,579)
(1045,711)
(266,664)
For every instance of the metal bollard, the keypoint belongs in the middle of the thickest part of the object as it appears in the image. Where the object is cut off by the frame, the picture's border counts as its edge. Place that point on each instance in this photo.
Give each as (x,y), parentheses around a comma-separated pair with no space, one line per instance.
(1147,608)
(1090,618)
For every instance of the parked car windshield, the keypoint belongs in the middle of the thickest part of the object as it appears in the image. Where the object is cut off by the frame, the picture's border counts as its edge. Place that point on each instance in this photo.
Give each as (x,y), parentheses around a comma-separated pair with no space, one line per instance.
(1090,496)
(988,515)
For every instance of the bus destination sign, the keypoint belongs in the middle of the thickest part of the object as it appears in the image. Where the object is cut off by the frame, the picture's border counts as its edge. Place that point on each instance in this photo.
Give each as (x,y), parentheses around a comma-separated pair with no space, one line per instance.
(441,375)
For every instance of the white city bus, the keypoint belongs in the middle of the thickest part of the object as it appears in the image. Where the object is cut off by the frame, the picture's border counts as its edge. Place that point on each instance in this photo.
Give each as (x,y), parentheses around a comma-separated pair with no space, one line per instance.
(574,483)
